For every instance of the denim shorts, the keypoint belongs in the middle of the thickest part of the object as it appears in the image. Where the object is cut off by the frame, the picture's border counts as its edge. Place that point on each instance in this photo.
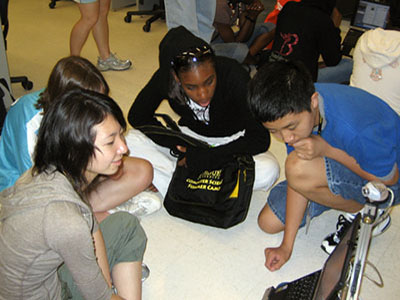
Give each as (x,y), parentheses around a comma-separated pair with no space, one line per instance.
(341,181)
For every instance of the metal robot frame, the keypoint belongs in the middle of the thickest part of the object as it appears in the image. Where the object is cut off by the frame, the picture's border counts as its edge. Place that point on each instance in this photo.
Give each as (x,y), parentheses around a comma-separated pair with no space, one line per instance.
(375,193)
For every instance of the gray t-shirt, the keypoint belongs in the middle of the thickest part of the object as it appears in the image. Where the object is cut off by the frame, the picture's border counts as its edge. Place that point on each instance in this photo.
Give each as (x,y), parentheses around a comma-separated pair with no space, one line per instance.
(44,224)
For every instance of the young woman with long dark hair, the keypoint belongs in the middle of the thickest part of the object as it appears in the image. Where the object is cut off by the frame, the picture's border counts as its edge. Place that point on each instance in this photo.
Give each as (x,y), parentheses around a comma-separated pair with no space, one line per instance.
(51,246)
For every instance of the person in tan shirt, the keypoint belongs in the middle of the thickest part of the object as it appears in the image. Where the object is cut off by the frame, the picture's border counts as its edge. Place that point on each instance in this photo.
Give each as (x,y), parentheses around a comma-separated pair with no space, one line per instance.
(51,245)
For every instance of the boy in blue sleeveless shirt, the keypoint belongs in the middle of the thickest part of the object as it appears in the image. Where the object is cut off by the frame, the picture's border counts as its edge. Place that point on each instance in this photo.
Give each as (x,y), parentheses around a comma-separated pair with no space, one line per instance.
(338,138)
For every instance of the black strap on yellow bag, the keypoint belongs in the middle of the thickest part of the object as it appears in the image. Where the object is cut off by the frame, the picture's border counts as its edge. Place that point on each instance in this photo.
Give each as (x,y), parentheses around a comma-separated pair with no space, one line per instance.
(171,130)
(216,197)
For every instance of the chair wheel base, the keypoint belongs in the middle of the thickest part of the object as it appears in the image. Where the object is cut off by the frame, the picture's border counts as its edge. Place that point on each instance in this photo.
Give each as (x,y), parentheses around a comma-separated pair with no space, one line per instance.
(146,28)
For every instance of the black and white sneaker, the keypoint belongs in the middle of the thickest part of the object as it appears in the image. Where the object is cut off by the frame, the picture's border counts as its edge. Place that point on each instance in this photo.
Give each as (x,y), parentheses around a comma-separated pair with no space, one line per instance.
(344,221)
(330,242)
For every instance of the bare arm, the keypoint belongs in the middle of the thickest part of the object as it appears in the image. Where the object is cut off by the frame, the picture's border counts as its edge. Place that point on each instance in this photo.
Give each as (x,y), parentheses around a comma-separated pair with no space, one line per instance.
(228,36)
(336,17)
(261,42)
(226,32)
(296,206)
(247,21)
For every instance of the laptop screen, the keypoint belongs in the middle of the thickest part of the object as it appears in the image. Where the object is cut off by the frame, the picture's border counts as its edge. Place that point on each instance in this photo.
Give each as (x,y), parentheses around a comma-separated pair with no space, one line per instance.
(336,267)
(370,15)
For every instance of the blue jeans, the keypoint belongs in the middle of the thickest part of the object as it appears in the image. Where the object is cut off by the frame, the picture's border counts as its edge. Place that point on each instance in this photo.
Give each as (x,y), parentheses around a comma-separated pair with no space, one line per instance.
(196,15)
(337,74)
(239,51)
(341,181)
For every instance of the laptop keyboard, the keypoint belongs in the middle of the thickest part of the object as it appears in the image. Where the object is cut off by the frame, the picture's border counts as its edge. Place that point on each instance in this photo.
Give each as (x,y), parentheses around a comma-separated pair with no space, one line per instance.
(352,37)
(303,289)
(350,41)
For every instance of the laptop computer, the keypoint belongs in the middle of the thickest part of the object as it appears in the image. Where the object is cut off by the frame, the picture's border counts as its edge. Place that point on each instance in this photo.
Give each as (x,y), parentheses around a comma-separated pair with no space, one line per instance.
(368,14)
(323,284)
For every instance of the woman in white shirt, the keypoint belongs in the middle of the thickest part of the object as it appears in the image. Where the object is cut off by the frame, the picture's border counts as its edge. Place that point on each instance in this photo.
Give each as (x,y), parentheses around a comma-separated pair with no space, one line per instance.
(376,65)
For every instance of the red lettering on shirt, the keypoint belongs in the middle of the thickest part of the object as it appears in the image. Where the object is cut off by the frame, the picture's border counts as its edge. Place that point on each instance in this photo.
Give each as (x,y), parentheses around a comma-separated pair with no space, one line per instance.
(289,40)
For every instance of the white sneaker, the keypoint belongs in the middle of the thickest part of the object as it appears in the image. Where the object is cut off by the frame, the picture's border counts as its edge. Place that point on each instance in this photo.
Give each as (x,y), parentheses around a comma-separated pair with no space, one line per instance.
(143,204)
(113,63)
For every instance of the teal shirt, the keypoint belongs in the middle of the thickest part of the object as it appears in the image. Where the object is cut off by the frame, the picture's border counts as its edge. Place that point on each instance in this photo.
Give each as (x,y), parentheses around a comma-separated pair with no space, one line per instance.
(18,138)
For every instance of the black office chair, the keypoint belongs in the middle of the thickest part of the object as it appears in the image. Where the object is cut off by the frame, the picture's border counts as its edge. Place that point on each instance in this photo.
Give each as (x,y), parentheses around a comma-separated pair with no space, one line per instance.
(26,84)
(52,3)
(158,12)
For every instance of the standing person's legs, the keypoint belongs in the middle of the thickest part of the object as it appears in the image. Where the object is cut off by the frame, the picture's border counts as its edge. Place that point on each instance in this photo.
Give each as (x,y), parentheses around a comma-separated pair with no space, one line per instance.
(197,16)
(80,31)
(181,12)
(205,10)
(101,30)
(94,15)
